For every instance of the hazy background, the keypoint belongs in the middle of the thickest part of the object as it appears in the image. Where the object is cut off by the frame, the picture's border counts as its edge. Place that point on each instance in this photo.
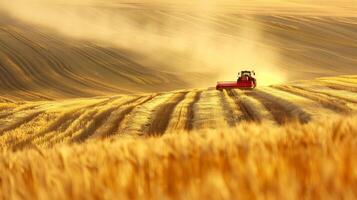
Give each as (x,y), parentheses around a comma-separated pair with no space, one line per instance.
(200,42)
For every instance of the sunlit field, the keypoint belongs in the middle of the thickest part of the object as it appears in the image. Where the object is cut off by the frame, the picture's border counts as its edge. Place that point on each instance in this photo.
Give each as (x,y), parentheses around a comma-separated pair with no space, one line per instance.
(47,123)
(314,161)
(117,100)
(284,142)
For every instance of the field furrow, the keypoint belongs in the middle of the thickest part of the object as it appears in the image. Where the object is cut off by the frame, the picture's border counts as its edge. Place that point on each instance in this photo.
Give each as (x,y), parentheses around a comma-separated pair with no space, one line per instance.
(65,114)
(350,98)
(208,111)
(339,85)
(111,125)
(13,110)
(182,114)
(232,112)
(141,116)
(163,115)
(247,108)
(99,119)
(82,127)
(6,100)
(19,120)
(12,138)
(327,101)
(282,110)
(191,111)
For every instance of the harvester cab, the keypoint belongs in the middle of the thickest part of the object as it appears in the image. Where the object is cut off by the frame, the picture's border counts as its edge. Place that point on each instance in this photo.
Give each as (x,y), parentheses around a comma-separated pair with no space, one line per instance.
(245,75)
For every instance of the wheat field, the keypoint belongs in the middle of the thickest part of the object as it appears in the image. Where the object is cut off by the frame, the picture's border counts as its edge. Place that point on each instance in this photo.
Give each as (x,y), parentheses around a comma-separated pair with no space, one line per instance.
(250,161)
(27,124)
(288,141)
(115,99)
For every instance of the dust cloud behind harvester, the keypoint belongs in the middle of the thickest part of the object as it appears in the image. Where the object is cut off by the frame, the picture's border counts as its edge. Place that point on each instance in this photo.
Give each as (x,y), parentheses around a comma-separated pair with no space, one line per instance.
(176,41)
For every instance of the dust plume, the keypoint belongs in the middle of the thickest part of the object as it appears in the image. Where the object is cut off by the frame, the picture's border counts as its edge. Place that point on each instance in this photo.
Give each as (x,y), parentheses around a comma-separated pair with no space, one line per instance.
(181,38)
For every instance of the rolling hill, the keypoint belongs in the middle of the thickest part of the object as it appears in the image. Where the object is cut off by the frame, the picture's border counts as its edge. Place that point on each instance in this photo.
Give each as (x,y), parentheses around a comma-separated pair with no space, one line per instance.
(283,141)
(59,50)
(45,123)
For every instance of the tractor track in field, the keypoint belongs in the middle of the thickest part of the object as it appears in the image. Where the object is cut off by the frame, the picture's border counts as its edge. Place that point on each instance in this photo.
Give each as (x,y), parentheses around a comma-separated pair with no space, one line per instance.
(85,117)
(140,119)
(179,115)
(339,98)
(325,100)
(71,115)
(19,122)
(63,119)
(229,116)
(99,119)
(345,80)
(340,86)
(298,113)
(5,100)
(279,112)
(113,121)
(191,111)
(21,108)
(162,116)
(249,113)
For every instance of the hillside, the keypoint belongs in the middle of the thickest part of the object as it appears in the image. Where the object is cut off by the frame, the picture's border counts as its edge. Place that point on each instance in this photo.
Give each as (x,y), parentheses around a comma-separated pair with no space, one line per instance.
(46,123)
(60,49)
(34,62)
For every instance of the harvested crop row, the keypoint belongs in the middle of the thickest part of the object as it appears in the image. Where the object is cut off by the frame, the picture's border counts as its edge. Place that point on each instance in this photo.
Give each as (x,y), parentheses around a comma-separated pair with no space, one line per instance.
(232,112)
(111,125)
(347,96)
(325,100)
(141,117)
(208,111)
(85,124)
(245,105)
(5,100)
(5,108)
(163,114)
(21,136)
(19,120)
(180,118)
(339,85)
(41,130)
(343,80)
(282,110)
(17,109)
(72,110)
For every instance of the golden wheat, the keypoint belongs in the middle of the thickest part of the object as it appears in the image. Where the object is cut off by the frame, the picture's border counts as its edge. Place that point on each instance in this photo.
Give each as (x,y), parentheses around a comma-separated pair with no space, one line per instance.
(314,161)
(280,142)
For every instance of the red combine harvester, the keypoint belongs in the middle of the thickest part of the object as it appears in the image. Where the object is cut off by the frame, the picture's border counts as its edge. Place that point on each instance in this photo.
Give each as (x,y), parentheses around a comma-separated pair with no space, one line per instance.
(245,81)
